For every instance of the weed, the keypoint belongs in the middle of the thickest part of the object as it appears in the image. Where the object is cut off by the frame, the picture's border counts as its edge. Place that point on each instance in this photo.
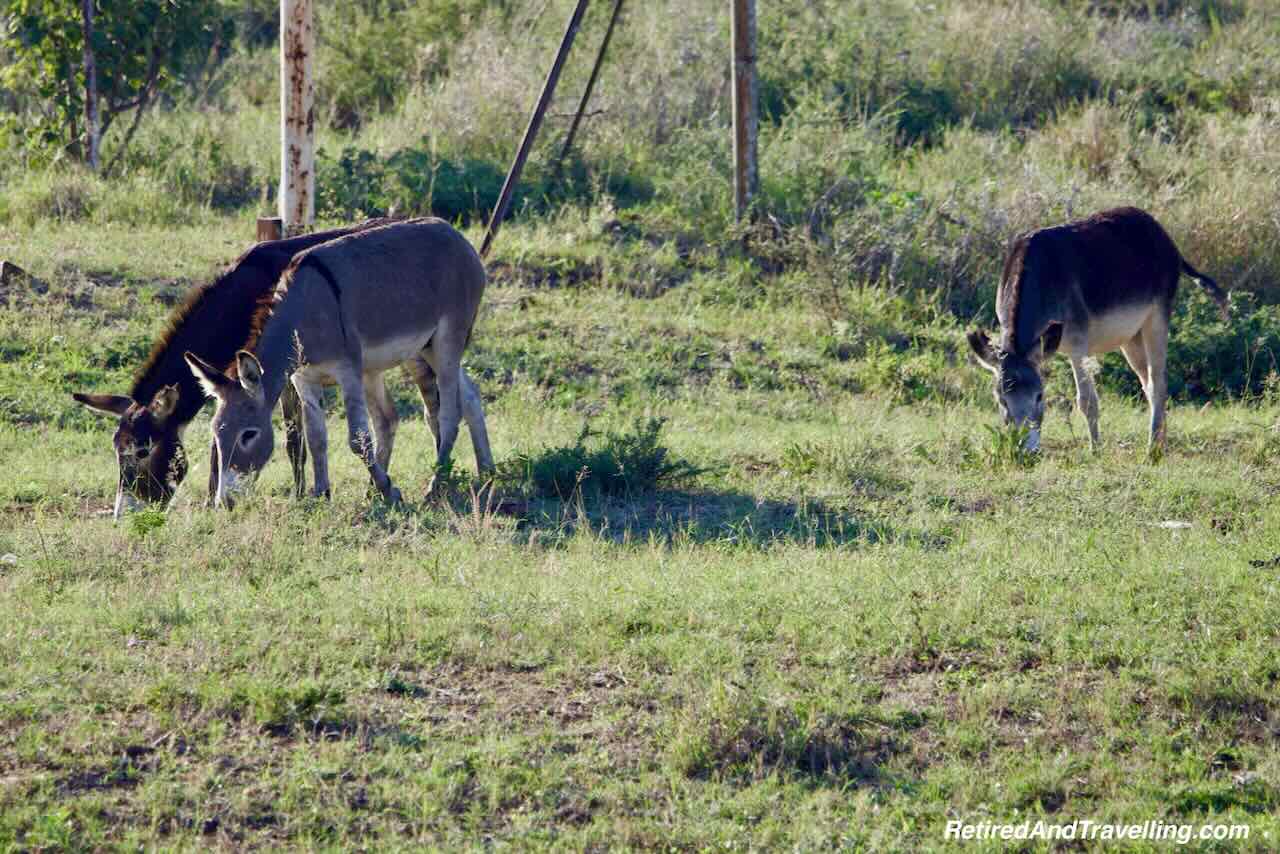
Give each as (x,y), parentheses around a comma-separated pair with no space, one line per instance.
(1006,448)
(145,522)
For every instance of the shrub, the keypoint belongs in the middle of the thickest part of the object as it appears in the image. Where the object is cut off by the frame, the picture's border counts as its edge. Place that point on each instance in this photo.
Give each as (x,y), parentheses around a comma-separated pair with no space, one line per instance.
(413,181)
(374,51)
(624,463)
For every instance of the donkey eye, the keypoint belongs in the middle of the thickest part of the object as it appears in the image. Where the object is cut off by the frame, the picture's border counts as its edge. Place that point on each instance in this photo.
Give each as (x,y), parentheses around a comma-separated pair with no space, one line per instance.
(247,437)
(143,452)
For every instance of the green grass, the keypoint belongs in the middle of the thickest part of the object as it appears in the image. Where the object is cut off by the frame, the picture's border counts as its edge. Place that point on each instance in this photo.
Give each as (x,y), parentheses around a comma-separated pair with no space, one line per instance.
(760,570)
(860,618)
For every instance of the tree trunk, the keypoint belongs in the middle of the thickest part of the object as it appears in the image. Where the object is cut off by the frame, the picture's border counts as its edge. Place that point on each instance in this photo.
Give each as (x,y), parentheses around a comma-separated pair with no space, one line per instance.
(90,89)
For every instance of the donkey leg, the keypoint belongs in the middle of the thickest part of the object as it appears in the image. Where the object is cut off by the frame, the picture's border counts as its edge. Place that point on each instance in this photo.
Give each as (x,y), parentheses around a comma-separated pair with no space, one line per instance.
(1135,353)
(473,414)
(472,409)
(295,443)
(1155,339)
(1086,398)
(425,379)
(360,433)
(317,433)
(445,355)
(383,415)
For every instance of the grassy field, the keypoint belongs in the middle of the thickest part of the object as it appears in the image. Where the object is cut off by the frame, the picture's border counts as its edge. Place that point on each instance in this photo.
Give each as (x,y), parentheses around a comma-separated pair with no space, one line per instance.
(859,619)
(805,596)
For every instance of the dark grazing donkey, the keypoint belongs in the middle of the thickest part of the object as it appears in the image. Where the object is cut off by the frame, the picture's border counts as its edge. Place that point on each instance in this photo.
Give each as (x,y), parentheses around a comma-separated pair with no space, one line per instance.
(1091,286)
(213,322)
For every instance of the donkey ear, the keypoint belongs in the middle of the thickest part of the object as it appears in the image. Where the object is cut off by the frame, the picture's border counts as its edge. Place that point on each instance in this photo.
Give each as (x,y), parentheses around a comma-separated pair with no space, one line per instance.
(250,370)
(213,381)
(981,346)
(164,403)
(107,404)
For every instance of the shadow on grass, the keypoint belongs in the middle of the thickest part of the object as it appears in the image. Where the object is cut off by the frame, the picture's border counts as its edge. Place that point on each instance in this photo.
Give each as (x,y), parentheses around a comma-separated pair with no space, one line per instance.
(746,739)
(627,485)
(708,517)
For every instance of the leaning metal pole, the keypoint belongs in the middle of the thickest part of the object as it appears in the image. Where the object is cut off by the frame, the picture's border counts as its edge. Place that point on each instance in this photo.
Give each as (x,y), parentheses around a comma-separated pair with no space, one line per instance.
(746,177)
(531,132)
(591,83)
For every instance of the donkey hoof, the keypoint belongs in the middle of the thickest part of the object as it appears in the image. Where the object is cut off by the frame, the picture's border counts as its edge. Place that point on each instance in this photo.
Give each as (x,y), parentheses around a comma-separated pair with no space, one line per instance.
(393,496)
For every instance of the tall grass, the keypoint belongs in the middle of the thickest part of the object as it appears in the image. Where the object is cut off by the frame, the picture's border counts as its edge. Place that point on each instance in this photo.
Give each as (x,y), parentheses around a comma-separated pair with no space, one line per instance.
(903,144)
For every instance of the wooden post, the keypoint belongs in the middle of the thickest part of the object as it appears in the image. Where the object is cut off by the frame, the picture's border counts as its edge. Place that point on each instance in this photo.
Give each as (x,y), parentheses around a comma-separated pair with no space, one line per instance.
(531,132)
(297,116)
(746,177)
(90,87)
(591,83)
(270,228)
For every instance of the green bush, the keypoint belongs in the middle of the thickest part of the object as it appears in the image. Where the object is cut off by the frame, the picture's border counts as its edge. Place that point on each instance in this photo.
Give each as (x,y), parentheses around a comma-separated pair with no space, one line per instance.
(373,51)
(412,181)
(625,463)
(420,181)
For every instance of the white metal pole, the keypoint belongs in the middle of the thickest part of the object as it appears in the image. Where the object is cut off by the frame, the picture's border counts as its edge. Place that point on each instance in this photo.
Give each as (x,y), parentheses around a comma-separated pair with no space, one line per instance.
(297,116)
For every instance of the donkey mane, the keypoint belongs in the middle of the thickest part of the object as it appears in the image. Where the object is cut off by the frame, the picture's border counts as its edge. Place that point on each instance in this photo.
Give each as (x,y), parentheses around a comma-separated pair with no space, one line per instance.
(1013,265)
(182,322)
(263,309)
(267,302)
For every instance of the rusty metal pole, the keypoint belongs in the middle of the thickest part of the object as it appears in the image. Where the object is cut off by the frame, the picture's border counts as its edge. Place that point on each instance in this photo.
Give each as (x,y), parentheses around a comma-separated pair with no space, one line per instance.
(746,177)
(591,83)
(531,132)
(297,116)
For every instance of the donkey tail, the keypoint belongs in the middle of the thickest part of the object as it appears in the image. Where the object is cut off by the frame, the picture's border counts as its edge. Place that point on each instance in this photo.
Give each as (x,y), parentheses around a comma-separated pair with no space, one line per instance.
(1210,286)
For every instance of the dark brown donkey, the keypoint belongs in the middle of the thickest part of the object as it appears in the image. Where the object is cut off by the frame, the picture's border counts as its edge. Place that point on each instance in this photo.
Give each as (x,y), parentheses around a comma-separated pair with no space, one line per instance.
(1092,286)
(213,321)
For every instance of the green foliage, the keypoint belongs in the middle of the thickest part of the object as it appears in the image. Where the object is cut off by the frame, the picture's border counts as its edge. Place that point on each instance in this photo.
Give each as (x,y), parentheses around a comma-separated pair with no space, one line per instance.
(730,739)
(373,51)
(624,464)
(143,523)
(412,181)
(896,59)
(906,375)
(419,180)
(1005,448)
(141,48)
(1212,12)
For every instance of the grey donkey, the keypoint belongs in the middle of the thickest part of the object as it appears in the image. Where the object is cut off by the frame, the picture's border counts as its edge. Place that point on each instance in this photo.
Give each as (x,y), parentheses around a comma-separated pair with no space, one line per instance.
(346,312)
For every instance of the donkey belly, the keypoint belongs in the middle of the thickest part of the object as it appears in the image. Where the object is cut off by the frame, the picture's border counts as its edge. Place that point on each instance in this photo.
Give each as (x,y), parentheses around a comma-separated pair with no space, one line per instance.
(384,355)
(1116,327)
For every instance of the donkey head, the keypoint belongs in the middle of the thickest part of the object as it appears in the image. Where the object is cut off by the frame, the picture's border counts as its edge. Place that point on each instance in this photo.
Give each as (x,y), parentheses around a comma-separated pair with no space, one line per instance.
(148,446)
(1019,389)
(241,422)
